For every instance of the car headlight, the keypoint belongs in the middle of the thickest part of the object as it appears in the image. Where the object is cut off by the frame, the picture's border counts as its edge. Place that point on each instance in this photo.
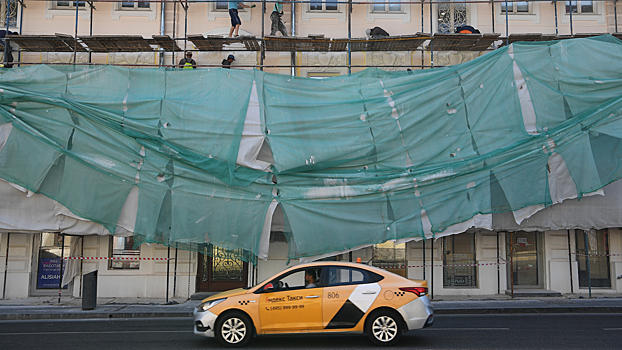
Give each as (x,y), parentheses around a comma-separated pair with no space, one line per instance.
(209,304)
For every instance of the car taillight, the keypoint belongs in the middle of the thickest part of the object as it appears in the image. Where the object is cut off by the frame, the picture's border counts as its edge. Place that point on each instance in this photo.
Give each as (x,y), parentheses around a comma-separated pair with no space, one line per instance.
(417,290)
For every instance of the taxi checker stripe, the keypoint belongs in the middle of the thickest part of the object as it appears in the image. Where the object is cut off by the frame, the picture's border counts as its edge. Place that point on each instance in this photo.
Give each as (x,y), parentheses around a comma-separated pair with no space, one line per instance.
(355,307)
(109,258)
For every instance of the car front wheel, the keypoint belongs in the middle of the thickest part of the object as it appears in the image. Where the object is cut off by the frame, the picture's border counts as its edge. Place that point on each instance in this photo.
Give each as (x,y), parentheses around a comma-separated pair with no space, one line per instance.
(234,330)
(383,328)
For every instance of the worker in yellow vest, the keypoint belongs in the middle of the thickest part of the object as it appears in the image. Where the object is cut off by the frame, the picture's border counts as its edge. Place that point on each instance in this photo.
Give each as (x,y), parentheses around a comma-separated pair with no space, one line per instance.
(187,62)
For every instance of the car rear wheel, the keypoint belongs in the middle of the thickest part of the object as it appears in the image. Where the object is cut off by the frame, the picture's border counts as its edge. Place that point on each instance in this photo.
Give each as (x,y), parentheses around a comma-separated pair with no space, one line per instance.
(234,330)
(383,328)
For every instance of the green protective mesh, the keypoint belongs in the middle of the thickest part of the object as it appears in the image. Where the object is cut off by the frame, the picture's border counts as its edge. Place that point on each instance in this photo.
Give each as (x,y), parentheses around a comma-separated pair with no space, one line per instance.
(358,159)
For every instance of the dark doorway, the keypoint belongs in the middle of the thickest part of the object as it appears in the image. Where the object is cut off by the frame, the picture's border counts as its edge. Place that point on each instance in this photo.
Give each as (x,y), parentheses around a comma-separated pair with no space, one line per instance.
(220,269)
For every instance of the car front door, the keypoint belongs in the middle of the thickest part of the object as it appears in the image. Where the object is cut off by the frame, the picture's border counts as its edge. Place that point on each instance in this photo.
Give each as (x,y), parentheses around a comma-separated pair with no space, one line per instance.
(289,303)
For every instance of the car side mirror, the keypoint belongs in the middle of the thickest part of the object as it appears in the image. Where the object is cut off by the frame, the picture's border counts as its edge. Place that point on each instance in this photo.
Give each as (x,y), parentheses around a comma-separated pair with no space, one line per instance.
(268,287)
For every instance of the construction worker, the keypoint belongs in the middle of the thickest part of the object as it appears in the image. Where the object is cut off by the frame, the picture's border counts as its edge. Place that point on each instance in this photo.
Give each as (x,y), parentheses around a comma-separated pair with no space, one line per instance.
(275,17)
(187,62)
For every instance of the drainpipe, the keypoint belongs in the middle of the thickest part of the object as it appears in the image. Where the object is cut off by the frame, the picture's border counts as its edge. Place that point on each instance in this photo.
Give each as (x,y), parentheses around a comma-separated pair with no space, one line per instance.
(162,20)
(293,35)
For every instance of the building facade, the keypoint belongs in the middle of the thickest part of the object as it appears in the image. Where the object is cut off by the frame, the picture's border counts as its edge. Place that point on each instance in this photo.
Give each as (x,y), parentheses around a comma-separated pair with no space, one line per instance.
(535,254)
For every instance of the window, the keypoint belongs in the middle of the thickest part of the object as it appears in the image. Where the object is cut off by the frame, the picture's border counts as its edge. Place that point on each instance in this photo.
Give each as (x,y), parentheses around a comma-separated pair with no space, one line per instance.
(598,249)
(123,248)
(135,5)
(591,11)
(220,9)
(134,9)
(378,9)
(226,264)
(451,16)
(323,6)
(68,4)
(580,7)
(391,257)
(66,8)
(13,8)
(459,250)
(339,276)
(382,7)
(518,11)
(299,279)
(515,7)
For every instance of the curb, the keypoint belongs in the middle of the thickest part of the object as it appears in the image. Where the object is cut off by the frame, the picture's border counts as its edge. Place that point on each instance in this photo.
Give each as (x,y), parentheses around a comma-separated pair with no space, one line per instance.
(99,315)
(528,310)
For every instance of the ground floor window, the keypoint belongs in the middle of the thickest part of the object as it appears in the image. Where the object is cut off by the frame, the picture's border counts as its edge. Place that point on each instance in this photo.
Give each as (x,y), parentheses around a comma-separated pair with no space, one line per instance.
(598,248)
(123,248)
(458,253)
(391,257)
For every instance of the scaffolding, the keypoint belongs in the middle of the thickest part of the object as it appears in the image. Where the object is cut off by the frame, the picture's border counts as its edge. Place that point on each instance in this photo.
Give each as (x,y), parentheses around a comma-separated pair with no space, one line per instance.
(424,41)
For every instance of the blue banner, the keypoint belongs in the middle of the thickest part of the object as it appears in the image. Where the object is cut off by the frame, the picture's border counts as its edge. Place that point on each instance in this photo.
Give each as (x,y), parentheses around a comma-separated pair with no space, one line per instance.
(49,273)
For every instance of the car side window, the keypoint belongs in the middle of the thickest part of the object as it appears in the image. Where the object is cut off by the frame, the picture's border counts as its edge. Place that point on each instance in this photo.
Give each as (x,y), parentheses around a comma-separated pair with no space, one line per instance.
(339,276)
(300,279)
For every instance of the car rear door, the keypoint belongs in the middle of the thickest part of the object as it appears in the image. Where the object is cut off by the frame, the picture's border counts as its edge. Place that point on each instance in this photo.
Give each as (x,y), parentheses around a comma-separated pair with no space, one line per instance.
(348,295)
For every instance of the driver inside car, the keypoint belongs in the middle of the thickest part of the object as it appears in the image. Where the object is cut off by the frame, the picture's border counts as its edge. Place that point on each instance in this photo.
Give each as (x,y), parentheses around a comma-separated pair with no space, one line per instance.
(311,279)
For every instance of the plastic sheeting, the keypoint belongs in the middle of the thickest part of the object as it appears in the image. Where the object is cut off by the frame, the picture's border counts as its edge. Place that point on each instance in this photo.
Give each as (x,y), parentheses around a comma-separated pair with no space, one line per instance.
(357,159)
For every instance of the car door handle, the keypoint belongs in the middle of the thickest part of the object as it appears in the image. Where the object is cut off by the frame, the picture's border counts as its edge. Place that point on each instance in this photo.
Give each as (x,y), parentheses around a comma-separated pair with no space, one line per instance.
(369,292)
(312,296)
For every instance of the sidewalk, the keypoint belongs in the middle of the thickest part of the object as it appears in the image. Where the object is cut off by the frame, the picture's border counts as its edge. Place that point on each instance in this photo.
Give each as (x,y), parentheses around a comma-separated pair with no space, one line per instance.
(36,308)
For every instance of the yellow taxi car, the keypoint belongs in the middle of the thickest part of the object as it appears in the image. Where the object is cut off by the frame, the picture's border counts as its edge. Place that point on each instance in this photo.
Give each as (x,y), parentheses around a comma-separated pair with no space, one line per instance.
(321,297)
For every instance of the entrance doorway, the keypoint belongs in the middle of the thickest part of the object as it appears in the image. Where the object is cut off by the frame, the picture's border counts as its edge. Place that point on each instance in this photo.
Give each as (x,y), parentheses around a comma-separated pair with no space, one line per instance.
(220,269)
(526,258)
(49,249)
(599,274)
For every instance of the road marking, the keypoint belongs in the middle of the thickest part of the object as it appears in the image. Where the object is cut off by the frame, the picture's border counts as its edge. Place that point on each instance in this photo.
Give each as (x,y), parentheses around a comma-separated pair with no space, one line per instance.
(467,329)
(87,332)
(612,329)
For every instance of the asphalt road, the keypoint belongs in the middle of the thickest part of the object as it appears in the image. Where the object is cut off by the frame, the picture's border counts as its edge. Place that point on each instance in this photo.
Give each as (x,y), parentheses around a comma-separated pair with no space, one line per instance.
(534,331)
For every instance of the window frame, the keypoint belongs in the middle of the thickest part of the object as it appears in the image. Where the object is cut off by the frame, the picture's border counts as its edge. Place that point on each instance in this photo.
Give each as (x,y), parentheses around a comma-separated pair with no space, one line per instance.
(324,2)
(533,14)
(71,5)
(128,262)
(118,11)
(368,276)
(213,12)
(135,7)
(579,11)
(51,10)
(339,14)
(320,282)
(514,8)
(599,15)
(403,14)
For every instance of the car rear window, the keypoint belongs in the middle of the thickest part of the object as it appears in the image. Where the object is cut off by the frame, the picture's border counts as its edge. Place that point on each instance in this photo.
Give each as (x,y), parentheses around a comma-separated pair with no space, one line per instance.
(338,276)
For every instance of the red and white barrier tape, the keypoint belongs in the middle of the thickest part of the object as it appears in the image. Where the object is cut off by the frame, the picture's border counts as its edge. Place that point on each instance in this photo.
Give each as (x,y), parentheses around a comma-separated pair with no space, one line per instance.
(109,258)
(596,254)
(402,266)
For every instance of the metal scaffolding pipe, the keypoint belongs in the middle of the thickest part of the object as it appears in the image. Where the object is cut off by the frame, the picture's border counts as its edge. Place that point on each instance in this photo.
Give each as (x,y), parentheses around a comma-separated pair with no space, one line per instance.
(349,37)
(162,27)
(6,43)
(293,58)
